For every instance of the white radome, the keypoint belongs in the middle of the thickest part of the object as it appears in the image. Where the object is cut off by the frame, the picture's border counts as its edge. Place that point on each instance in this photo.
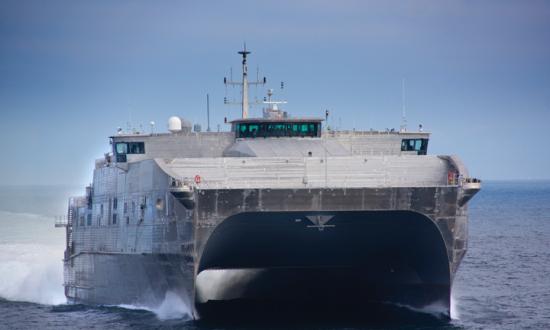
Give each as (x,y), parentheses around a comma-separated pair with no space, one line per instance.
(174,124)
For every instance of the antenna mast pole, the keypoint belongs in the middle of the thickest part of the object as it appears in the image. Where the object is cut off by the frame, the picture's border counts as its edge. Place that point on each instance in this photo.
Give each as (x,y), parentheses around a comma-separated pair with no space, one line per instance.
(208,113)
(244,52)
(403,115)
(244,84)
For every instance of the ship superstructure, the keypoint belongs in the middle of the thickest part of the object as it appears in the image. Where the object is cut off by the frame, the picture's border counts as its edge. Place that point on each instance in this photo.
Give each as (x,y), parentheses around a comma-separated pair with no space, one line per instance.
(277,210)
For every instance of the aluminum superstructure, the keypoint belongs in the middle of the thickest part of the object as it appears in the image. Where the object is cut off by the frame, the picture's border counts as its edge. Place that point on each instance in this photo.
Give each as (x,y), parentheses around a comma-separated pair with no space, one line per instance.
(279,210)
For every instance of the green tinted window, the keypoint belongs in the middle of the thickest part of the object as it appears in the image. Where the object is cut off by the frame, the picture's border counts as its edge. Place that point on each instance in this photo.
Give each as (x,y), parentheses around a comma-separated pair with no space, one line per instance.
(121,148)
(276,129)
(418,145)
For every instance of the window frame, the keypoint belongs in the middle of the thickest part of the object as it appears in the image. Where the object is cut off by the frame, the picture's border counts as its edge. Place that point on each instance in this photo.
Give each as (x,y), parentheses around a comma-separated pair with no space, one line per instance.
(419,145)
(277,129)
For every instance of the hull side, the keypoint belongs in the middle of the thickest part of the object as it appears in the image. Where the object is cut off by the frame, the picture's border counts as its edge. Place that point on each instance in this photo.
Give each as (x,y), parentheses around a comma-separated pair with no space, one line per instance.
(133,279)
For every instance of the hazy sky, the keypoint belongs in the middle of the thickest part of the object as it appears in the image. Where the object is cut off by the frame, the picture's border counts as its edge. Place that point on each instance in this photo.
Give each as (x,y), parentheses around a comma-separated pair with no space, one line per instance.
(477,74)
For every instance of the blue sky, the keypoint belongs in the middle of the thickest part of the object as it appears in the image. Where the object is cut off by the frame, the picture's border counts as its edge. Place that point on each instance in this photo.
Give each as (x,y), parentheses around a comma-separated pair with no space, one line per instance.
(477,74)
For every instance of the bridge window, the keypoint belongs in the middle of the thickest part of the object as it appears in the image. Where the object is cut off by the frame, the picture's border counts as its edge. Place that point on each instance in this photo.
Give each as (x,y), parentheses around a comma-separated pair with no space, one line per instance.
(281,129)
(136,147)
(121,148)
(124,148)
(418,145)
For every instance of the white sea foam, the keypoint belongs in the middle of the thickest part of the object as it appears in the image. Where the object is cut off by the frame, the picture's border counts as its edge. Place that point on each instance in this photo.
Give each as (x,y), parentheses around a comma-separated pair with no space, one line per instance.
(455,314)
(436,309)
(31,250)
(172,307)
(31,272)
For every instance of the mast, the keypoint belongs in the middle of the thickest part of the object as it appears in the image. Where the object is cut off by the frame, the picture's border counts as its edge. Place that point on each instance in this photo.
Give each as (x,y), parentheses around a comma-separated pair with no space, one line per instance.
(244,84)
(208,112)
(403,114)
(244,52)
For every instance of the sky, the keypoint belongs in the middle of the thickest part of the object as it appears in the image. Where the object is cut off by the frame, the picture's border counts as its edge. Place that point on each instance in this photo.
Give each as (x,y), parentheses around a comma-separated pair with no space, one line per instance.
(477,74)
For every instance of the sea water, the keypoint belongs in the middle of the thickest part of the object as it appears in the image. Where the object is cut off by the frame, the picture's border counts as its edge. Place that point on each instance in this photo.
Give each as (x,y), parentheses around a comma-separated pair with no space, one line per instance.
(503,282)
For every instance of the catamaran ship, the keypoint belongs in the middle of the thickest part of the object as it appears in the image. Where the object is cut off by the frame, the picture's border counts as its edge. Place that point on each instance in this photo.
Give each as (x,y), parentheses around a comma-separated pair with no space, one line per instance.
(277,211)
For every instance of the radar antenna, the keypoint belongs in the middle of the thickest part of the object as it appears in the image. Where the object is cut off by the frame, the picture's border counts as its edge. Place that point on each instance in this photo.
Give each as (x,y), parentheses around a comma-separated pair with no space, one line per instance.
(272,110)
(244,84)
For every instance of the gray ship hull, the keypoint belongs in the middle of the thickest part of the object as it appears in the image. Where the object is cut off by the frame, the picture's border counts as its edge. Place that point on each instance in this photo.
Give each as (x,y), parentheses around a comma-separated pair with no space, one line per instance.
(233,251)
(272,261)
(142,280)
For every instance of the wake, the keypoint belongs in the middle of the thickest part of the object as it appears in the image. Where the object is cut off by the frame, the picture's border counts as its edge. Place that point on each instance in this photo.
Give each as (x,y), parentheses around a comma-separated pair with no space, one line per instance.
(32,273)
(172,307)
(31,267)
(31,250)
(436,309)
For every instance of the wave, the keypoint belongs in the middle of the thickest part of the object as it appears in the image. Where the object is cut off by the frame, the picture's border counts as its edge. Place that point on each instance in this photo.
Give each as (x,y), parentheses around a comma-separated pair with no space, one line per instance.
(32,273)
(455,313)
(172,307)
(437,310)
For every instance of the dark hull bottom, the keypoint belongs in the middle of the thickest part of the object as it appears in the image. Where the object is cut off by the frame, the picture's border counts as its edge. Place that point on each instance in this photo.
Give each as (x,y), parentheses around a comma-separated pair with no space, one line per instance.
(284,313)
(319,293)
(323,265)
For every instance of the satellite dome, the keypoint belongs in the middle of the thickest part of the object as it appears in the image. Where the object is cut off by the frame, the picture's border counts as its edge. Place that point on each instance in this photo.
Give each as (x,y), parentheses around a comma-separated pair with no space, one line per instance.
(186,125)
(174,124)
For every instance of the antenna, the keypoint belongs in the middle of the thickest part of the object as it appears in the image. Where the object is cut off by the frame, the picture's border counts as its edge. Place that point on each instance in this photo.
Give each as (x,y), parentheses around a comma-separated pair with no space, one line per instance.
(244,84)
(403,127)
(244,52)
(207,113)
(272,110)
(129,126)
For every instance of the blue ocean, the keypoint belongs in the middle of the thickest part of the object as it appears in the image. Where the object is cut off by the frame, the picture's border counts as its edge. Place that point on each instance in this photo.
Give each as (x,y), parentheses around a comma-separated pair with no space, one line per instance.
(503,282)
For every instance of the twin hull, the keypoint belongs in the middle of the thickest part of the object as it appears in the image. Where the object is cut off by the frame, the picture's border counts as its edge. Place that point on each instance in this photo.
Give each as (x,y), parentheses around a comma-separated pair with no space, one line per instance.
(221,248)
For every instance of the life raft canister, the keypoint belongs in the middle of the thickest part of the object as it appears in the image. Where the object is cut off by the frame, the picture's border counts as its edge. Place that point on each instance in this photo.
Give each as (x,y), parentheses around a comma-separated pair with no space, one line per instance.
(197,179)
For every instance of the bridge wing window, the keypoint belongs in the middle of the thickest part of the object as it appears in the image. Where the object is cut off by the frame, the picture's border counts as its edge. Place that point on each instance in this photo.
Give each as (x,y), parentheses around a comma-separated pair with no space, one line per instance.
(121,148)
(124,148)
(418,145)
